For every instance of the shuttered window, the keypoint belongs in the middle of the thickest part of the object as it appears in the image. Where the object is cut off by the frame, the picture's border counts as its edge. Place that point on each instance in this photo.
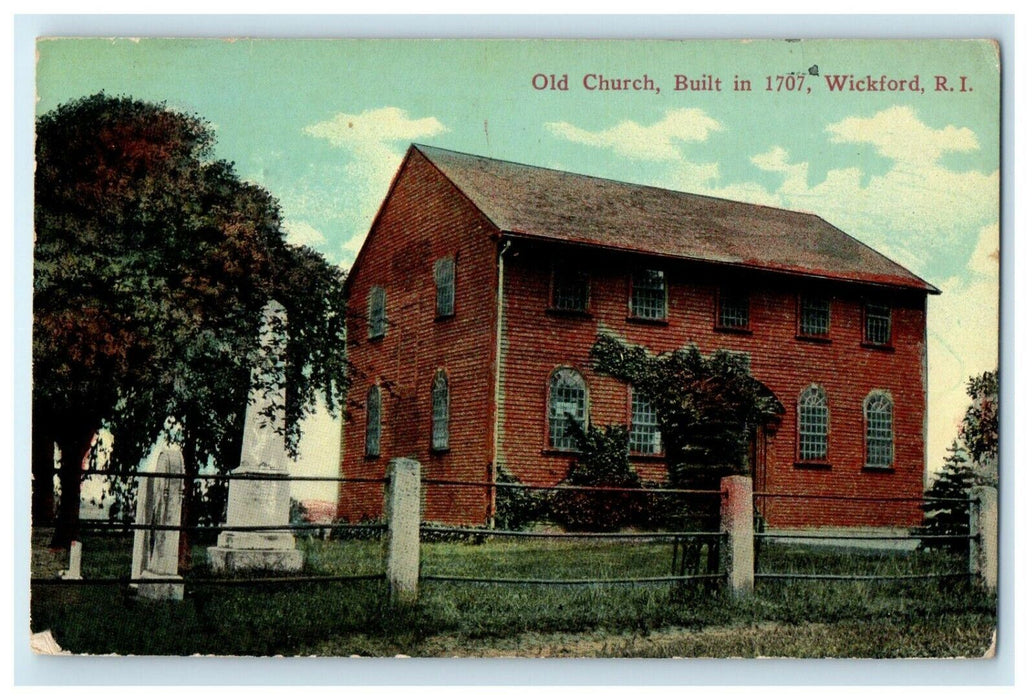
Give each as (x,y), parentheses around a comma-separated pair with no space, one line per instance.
(440,412)
(377,319)
(373,439)
(444,287)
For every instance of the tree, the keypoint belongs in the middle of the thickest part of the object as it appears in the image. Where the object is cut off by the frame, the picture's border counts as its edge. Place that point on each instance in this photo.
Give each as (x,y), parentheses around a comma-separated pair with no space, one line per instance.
(948,517)
(603,461)
(980,429)
(972,460)
(152,264)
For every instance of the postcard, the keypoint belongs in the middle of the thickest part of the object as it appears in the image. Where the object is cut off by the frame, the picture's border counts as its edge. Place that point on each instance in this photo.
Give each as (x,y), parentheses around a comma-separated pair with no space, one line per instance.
(516,348)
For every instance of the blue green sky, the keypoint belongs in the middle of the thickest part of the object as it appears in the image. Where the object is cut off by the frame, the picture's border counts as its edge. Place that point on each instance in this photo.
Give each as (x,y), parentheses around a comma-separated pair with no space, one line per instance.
(323,124)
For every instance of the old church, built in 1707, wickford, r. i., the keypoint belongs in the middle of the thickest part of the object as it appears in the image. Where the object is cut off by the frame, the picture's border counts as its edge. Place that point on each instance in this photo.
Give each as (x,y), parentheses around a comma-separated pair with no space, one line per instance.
(483,284)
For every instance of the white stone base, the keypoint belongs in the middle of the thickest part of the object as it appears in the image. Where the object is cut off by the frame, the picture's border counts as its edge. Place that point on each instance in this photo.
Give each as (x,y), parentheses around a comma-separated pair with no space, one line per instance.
(236,559)
(159,591)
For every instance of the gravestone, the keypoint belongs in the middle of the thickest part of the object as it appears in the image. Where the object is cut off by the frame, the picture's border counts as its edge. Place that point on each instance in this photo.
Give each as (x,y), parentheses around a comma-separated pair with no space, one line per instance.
(255,499)
(156,552)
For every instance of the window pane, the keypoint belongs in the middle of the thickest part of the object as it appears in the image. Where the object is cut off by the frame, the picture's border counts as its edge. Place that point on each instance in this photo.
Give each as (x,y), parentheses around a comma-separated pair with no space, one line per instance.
(878,324)
(878,411)
(567,398)
(645,437)
(816,316)
(648,295)
(733,310)
(444,283)
(373,442)
(571,290)
(440,413)
(376,317)
(813,424)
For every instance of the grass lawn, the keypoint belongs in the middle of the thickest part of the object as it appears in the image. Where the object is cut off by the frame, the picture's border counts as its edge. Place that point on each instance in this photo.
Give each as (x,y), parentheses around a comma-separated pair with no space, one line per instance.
(784,618)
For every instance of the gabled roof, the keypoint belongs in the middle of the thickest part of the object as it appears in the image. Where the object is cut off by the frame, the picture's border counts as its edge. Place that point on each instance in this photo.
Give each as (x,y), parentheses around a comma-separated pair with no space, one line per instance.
(540,203)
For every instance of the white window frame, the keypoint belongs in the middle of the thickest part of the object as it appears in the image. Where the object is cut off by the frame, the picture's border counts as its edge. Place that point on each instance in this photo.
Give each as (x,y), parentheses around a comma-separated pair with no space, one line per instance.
(649,295)
(879,430)
(566,387)
(645,437)
(813,425)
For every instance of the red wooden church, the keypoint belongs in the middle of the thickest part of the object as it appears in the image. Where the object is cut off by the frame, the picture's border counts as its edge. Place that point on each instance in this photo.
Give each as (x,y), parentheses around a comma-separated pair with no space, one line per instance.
(483,284)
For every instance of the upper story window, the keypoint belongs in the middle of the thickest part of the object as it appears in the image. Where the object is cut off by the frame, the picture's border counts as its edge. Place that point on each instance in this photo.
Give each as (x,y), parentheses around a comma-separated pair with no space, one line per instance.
(377,319)
(877,324)
(570,290)
(645,438)
(815,316)
(732,310)
(373,432)
(648,295)
(440,412)
(444,286)
(877,413)
(566,397)
(813,424)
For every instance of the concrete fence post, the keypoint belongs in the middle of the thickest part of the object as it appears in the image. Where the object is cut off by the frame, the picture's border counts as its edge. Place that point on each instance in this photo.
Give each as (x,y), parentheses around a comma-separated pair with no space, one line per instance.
(738,547)
(403,511)
(983,549)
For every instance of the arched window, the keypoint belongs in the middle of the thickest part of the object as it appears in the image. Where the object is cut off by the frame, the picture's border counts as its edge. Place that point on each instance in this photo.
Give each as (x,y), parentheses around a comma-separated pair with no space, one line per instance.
(440,412)
(877,413)
(373,443)
(567,397)
(813,422)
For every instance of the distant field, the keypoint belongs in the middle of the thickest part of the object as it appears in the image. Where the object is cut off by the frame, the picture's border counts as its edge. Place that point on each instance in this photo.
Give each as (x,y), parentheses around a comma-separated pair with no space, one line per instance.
(796,618)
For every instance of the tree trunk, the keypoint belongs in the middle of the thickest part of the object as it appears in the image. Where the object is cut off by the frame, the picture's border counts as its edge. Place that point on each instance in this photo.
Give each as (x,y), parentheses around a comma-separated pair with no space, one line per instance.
(74,440)
(42,473)
(189,510)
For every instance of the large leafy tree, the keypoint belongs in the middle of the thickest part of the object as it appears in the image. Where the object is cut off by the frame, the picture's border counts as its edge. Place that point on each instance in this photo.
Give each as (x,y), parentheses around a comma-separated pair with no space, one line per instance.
(152,264)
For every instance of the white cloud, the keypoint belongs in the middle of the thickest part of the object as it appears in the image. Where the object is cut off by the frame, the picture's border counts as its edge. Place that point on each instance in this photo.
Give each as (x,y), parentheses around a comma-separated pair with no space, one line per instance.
(658,141)
(301,233)
(375,140)
(897,133)
(374,128)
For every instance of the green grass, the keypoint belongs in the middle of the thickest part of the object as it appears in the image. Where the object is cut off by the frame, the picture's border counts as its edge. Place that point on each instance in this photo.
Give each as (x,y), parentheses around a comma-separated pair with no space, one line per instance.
(793,618)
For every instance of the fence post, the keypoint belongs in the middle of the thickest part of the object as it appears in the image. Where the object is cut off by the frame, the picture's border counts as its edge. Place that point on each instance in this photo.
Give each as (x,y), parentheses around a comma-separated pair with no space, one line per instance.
(403,511)
(738,547)
(983,543)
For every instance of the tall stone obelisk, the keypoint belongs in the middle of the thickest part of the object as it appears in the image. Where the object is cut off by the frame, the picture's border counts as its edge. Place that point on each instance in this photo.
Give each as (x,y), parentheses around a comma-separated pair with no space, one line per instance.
(256,500)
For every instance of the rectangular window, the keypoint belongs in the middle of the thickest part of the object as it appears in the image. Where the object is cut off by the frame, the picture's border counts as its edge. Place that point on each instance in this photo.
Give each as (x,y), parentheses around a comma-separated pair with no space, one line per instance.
(815,316)
(645,437)
(444,283)
(732,311)
(648,295)
(571,290)
(377,319)
(877,324)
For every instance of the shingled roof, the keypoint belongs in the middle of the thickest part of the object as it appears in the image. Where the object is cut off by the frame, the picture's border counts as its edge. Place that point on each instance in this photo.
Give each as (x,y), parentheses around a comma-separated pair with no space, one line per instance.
(541,203)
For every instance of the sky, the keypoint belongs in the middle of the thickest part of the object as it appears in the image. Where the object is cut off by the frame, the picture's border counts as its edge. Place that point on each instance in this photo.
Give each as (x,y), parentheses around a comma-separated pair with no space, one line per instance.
(324,124)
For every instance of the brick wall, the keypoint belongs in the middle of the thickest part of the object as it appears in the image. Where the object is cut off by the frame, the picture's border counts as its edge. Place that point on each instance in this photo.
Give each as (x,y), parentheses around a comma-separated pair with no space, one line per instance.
(423,219)
(536,341)
(426,218)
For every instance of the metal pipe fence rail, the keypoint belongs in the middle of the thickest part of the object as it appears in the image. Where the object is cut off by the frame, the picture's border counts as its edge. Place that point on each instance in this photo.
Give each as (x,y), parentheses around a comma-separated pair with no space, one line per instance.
(733,542)
(971,538)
